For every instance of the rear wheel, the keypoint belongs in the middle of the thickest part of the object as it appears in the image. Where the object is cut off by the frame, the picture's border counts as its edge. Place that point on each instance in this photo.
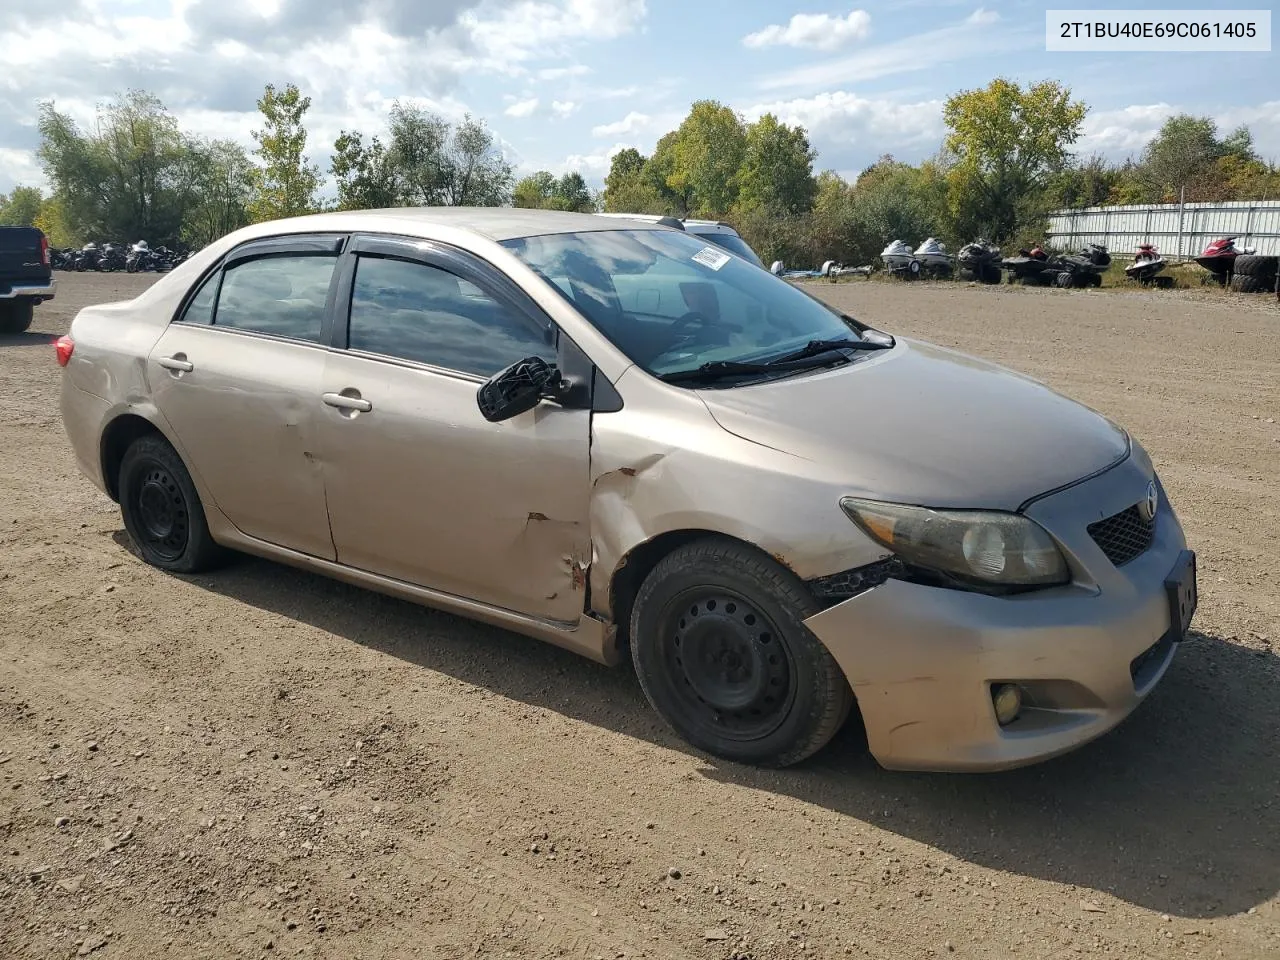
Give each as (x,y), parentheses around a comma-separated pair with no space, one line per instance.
(1065,279)
(16,315)
(162,511)
(722,654)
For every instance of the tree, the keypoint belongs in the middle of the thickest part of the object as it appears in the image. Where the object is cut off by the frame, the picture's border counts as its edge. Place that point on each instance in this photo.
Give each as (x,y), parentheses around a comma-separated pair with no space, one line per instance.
(221,182)
(777,168)
(542,190)
(1187,153)
(53,221)
(20,208)
(1087,184)
(634,185)
(1006,140)
(476,174)
(367,176)
(707,155)
(286,182)
(126,180)
(534,191)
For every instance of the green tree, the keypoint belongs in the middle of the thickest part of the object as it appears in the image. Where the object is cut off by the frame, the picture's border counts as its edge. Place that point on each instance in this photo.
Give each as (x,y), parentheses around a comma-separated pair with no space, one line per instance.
(635,186)
(436,162)
(21,207)
(476,174)
(777,168)
(127,179)
(367,176)
(220,179)
(1187,153)
(542,190)
(707,155)
(1087,184)
(286,182)
(1006,141)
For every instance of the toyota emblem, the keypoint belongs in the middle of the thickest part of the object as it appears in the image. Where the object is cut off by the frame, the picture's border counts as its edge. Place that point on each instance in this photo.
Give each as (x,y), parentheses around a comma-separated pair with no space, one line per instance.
(1148,506)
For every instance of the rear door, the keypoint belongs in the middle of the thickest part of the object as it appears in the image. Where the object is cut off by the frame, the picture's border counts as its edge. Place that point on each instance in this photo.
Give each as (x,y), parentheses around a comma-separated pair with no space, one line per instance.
(238,377)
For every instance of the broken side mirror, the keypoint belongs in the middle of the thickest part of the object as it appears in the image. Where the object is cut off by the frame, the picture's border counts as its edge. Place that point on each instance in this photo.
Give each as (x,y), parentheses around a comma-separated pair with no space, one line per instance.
(518,389)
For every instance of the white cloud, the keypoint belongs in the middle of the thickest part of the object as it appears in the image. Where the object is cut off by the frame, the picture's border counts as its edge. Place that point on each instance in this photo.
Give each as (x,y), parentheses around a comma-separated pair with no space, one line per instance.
(1117,133)
(593,166)
(563,108)
(21,168)
(971,37)
(522,108)
(633,122)
(840,120)
(561,73)
(819,30)
(532,29)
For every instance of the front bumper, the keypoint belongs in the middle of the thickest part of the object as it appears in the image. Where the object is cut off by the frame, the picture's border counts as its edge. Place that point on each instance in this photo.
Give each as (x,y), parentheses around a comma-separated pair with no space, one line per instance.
(922,660)
(42,289)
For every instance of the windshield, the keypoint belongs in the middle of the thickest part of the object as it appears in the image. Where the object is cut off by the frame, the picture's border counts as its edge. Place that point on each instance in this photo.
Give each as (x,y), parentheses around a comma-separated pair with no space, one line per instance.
(672,303)
(731,242)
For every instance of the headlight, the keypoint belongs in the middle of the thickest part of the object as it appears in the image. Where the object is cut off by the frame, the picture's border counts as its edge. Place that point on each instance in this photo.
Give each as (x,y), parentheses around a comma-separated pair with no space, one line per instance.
(997,548)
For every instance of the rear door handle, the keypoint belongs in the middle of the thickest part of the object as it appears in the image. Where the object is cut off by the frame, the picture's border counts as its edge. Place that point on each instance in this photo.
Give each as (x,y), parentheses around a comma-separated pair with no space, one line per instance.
(344,402)
(176,363)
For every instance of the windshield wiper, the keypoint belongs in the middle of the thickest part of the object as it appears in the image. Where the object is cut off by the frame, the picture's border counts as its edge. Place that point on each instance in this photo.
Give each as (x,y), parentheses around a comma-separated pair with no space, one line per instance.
(815,348)
(716,370)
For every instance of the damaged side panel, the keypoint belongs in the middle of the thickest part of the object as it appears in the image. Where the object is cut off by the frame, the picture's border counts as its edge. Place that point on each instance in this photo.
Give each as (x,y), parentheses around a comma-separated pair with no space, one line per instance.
(662,464)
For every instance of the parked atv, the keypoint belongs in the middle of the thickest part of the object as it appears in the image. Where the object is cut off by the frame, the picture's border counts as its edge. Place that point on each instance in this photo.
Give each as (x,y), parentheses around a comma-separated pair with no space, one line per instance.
(1083,269)
(979,261)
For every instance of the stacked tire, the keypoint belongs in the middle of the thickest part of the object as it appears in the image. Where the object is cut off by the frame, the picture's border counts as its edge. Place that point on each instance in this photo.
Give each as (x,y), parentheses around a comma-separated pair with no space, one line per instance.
(1254,274)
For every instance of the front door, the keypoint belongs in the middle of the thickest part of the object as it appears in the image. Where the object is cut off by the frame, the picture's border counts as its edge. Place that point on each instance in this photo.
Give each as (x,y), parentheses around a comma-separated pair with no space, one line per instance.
(238,377)
(420,487)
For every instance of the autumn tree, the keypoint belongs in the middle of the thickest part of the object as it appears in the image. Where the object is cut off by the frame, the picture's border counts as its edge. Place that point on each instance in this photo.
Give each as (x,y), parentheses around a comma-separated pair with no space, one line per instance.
(1006,141)
(367,177)
(286,182)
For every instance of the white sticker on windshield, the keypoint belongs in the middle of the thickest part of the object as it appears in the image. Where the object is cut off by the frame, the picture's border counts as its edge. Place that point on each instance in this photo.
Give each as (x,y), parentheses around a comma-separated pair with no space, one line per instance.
(711,257)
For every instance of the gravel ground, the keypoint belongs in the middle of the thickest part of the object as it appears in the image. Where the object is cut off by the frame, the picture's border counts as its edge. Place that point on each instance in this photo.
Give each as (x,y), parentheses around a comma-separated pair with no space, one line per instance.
(264,763)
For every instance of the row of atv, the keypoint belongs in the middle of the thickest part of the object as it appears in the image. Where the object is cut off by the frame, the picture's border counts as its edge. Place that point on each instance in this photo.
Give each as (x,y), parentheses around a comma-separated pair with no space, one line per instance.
(980,261)
(1239,269)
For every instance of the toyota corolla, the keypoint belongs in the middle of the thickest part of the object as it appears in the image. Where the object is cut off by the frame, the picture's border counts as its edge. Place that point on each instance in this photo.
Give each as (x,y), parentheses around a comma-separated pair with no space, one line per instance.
(628,442)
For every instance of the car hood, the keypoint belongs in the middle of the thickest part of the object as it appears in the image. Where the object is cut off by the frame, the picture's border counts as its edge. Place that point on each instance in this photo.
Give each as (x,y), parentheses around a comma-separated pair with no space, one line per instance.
(925,425)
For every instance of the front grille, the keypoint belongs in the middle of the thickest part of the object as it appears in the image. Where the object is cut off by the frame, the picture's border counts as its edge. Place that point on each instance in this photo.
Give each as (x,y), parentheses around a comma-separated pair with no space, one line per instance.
(1124,535)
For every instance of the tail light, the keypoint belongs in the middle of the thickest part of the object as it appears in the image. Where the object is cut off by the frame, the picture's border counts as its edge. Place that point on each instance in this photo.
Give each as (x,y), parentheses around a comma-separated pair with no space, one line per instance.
(44,249)
(64,346)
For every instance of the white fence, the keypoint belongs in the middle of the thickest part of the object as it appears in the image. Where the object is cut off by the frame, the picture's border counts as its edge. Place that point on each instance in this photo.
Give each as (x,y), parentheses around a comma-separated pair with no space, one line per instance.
(1177,230)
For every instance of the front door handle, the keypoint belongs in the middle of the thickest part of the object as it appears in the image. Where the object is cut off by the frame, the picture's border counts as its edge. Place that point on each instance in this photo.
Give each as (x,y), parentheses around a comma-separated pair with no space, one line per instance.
(176,363)
(344,402)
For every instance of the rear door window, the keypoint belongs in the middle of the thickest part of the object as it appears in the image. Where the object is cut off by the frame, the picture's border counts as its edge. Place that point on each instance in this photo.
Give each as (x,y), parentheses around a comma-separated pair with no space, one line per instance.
(281,295)
(425,314)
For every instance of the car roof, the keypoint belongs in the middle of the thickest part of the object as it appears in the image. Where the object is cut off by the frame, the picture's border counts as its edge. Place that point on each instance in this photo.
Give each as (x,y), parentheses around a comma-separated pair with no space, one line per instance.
(495,223)
(690,225)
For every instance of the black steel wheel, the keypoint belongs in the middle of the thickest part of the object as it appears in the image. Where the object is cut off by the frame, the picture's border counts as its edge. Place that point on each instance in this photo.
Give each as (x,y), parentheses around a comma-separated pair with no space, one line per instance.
(722,653)
(162,510)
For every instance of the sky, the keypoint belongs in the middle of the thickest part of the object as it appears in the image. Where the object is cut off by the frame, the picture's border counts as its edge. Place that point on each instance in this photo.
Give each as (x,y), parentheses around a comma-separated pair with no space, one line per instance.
(565,84)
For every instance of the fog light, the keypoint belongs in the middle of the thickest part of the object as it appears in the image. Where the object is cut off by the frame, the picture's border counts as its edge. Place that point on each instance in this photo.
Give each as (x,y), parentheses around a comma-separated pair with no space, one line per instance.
(1007,699)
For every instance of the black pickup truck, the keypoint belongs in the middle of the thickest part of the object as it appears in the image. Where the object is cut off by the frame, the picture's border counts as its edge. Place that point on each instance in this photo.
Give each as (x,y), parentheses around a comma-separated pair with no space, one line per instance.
(25,277)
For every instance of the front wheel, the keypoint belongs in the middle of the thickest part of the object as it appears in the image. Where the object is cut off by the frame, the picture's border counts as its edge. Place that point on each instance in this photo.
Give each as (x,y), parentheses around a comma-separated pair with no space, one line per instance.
(162,511)
(722,653)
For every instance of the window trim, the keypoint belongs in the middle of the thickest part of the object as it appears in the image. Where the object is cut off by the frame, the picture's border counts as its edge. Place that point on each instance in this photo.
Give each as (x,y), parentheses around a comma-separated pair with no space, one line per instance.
(278,245)
(430,253)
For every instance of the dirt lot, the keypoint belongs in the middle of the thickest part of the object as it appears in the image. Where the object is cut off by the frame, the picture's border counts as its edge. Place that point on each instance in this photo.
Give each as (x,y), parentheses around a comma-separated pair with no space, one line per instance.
(262,762)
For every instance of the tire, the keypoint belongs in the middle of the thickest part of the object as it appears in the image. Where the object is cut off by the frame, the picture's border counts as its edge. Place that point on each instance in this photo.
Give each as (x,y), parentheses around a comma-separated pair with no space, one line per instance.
(1245,283)
(1264,268)
(1095,280)
(990,274)
(780,695)
(967,274)
(162,511)
(1065,279)
(16,316)
(913,269)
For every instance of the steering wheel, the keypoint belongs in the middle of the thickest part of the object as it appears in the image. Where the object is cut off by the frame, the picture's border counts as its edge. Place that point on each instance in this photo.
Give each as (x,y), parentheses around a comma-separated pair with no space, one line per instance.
(682,328)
